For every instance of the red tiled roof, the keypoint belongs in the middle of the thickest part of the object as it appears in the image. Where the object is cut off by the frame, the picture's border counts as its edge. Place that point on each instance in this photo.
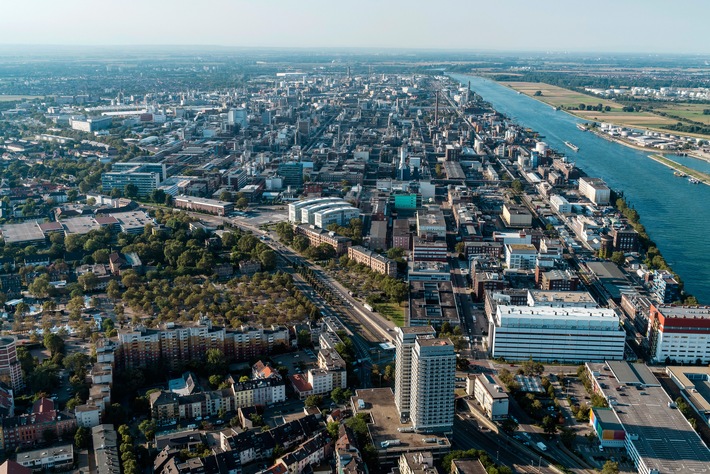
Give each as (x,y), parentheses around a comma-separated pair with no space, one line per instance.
(300,383)
(11,467)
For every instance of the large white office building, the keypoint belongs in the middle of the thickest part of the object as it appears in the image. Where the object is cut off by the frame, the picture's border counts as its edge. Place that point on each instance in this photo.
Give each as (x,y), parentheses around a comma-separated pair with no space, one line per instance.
(595,190)
(322,212)
(548,333)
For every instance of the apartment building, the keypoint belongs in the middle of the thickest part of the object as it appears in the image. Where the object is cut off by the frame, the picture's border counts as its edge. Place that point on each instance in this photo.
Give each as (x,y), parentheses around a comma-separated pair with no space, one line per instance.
(329,374)
(401,237)
(26,430)
(489,394)
(432,392)
(404,347)
(173,344)
(9,364)
(317,237)
(625,240)
(372,260)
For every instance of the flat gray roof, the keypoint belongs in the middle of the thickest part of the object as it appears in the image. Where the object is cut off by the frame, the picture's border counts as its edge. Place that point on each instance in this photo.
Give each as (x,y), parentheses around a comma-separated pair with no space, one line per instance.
(661,435)
(386,423)
(632,374)
(38,454)
(23,232)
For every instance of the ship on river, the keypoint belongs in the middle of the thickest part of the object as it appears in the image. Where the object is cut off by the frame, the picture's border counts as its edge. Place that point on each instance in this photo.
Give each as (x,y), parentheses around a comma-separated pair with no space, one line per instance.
(572,146)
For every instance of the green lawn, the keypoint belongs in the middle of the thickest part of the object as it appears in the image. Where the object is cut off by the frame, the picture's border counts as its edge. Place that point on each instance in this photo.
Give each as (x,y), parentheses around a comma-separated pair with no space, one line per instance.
(391,311)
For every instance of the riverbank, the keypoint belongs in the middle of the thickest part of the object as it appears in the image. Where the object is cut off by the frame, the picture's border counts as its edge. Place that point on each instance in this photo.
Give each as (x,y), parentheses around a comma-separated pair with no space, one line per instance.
(568,101)
(700,176)
(670,206)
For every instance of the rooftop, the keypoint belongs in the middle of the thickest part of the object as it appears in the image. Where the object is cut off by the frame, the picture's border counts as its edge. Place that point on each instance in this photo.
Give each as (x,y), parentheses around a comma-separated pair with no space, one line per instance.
(39,454)
(668,311)
(386,424)
(696,383)
(662,436)
(23,232)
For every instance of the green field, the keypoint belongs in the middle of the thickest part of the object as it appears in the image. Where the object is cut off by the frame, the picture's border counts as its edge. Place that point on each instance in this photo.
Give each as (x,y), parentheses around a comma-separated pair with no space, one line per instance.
(692,112)
(391,311)
(569,100)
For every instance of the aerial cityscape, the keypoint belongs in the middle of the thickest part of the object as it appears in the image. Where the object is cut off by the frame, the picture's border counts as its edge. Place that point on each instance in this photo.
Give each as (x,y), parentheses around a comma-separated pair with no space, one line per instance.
(277,239)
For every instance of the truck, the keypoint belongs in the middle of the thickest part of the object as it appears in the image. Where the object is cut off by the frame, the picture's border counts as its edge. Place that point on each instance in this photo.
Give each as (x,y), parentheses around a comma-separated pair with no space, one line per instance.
(541,446)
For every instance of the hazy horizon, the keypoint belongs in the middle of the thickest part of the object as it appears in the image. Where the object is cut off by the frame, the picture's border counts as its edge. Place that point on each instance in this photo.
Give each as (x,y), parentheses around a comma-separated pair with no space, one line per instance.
(552,26)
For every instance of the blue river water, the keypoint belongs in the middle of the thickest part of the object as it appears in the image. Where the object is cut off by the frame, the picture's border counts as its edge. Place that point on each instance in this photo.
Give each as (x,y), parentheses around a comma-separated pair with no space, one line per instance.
(676,213)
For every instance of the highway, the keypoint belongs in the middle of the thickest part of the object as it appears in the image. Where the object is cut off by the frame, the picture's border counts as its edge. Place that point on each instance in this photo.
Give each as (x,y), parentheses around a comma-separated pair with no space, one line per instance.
(468,434)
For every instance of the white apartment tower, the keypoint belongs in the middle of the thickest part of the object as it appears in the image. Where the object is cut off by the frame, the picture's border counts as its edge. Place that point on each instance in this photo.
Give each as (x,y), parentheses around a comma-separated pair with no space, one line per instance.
(433,375)
(404,346)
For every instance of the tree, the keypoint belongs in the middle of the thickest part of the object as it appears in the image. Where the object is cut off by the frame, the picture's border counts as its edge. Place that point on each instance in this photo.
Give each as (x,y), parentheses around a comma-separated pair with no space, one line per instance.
(40,287)
(333,429)
(268,259)
(130,279)
(340,395)
(76,362)
(215,380)
(88,281)
(81,438)
(460,247)
(389,373)
(148,428)
(242,203)
(113,289)
(618,258)
(226,196)
(158,196)
(130,191)
(300,243)
(304,338)
(567,436)
(100,256)
(549,425)
(216,362)
(530,367)
(313,401)
(445,328)
(53,343)
(509,426)
(610,467)
(462,364)
(517,186)
(537,94)
(244,378)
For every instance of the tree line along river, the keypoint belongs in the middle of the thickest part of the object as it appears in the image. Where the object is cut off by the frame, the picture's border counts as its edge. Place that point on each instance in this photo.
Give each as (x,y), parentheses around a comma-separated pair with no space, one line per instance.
(676,213)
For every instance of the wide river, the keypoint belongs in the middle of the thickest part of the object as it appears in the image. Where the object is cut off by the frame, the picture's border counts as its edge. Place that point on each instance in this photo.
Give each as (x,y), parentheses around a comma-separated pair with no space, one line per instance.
(676,213)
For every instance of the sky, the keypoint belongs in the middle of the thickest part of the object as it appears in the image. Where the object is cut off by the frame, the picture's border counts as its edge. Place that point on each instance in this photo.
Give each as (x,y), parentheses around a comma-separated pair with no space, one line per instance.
(641,26)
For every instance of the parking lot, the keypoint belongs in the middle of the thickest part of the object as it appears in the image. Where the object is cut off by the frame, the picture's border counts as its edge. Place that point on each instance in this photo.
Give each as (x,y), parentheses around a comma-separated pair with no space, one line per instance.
(296,362)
